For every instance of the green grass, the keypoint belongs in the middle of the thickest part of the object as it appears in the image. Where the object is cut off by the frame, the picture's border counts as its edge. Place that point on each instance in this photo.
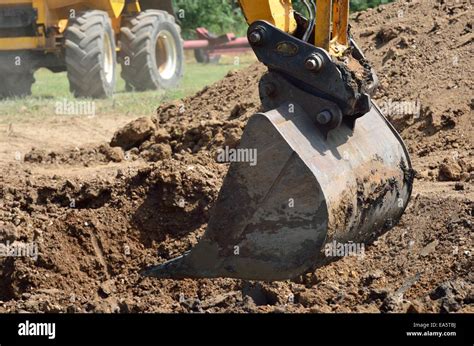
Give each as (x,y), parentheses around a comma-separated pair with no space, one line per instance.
(51,88)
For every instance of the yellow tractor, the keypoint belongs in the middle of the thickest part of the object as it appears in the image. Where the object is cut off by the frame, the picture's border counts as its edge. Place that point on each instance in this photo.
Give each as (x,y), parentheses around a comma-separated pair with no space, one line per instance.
(86,38)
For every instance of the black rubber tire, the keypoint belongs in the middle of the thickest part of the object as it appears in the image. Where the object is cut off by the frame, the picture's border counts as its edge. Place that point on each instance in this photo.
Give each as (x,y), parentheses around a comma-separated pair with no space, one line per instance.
(202,57)
(86,53)
(139,58)
(16,85)
(57,69)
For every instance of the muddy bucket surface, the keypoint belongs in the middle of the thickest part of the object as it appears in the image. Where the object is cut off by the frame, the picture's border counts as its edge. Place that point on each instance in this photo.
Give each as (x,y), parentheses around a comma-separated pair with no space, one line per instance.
(276,215)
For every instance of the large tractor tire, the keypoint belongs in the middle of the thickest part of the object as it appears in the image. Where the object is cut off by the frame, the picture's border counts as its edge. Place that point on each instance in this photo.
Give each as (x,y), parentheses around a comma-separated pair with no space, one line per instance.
(91,55)
(152,54)
(16,84)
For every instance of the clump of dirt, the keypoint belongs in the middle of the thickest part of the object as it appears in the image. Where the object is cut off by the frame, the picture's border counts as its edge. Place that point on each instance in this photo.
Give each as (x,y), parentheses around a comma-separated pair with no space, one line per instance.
(452,169)
(86,155)
(133,134)
(98,215)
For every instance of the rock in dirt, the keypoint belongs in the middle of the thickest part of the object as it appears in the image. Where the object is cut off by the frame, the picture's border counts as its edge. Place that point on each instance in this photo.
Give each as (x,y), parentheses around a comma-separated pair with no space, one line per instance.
(8,233)
(450,170)
(429,248)
(459,186)
(217,300)
(161,135)
(395,303)
(451,289)
(372,276)
(134,133)
(309,298)
(386,34)
(157,152)
(114,154)
(35,156)
(108,287)
(449,304)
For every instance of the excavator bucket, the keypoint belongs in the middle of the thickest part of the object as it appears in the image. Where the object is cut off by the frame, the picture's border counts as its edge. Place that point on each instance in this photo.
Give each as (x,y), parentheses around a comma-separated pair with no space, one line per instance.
(321,168)
(274,220)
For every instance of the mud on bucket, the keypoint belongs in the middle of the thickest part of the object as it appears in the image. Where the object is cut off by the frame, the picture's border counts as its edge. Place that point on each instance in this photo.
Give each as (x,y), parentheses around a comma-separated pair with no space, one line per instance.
(273,220)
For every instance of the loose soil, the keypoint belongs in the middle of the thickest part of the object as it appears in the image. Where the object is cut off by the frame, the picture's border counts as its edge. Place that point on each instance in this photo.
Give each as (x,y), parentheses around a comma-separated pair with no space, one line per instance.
(100,213)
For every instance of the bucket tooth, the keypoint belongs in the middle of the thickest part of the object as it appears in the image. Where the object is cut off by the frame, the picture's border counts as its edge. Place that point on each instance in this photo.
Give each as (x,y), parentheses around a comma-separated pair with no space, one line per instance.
(273,219)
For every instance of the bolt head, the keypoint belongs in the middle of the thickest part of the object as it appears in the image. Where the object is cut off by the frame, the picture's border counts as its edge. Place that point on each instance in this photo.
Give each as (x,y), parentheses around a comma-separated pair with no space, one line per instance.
(255,37)
(314,63)
(324,117)
(311,64)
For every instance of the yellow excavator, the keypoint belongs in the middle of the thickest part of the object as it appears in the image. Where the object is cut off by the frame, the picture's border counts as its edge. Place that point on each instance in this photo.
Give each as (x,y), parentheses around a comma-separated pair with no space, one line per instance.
(331,169)
(87,38)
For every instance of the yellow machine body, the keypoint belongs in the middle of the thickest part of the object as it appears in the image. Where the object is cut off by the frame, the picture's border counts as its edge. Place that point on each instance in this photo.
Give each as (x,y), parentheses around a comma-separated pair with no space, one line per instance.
(77,36)
(52,18)
(277,12)
(331,31)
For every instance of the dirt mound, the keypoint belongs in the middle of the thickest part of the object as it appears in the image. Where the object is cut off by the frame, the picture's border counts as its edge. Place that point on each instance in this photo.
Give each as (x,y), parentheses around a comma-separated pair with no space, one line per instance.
(98,215)
(93,229)
(213,118)
(421,51)
(95,238)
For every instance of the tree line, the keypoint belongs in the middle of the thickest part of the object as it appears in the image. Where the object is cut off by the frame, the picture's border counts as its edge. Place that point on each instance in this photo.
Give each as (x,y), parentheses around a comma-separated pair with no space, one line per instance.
(221,16)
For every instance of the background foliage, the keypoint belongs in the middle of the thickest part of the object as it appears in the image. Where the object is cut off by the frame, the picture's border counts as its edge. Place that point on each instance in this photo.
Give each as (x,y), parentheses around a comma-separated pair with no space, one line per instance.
(359,5)
(221,16)
(218,16)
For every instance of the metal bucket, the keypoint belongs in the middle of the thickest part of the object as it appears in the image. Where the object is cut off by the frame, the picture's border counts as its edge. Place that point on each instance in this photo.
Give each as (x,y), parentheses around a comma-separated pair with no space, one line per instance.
(274,220)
